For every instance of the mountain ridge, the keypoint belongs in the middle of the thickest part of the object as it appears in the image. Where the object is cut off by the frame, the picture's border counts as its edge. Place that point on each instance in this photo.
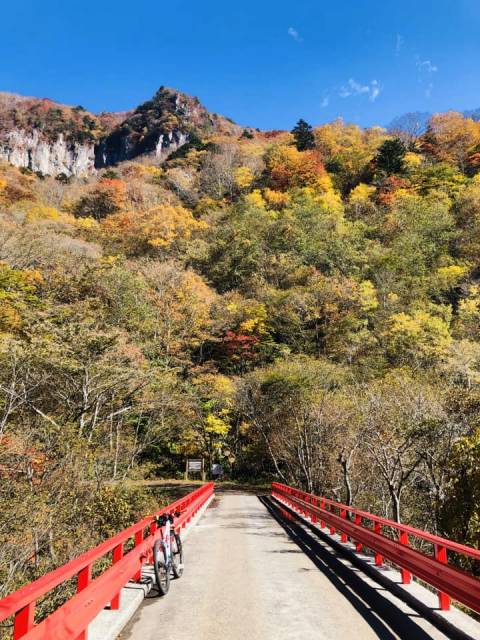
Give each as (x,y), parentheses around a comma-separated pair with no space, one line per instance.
(53,138)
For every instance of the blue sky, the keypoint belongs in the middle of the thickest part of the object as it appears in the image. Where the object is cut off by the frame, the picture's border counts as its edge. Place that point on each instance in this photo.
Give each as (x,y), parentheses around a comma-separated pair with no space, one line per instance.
(262,63)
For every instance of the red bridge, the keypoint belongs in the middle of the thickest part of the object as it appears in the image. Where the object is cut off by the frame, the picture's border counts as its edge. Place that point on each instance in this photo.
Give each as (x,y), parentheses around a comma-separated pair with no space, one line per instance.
(282,566)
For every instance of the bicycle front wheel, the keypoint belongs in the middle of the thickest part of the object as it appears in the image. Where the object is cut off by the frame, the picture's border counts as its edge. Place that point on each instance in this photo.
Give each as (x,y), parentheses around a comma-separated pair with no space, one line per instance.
(161,568)
(177,555)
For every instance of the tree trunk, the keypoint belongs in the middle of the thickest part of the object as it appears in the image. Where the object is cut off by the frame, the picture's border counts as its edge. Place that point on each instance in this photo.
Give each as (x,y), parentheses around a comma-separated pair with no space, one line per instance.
(395,505)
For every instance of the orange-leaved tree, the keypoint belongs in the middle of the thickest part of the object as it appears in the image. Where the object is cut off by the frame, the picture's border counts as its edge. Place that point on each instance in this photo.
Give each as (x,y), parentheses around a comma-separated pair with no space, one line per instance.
(289,168)
(105,198)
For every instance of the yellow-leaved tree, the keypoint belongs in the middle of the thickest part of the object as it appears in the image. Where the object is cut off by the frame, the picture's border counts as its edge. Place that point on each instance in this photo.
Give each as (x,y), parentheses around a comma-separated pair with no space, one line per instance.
(243,177)
(161,229)
(417,337)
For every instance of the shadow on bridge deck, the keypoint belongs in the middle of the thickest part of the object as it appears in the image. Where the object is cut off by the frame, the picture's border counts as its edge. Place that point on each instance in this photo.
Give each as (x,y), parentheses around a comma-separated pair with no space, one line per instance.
(253,574)
(385,618)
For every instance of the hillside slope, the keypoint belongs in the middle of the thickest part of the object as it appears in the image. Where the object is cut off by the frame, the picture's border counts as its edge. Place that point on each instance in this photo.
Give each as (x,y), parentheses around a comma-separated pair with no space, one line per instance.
(307,313)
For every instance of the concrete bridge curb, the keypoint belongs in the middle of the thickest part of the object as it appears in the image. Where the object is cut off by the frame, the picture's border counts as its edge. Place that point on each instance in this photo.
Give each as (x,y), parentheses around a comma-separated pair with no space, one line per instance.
(109,624)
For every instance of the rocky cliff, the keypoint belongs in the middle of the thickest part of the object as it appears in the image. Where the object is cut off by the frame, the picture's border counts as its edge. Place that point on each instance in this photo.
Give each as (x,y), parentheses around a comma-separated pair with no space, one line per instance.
(54,139)
(49,157)
(158,127)
(48,137)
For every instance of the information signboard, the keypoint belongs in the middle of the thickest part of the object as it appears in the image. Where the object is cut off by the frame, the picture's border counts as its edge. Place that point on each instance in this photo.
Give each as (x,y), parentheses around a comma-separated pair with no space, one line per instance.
(194,466)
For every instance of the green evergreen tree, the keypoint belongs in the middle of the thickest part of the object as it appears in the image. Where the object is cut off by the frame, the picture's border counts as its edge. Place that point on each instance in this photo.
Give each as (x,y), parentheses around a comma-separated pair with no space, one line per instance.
(390,157)
(303,134)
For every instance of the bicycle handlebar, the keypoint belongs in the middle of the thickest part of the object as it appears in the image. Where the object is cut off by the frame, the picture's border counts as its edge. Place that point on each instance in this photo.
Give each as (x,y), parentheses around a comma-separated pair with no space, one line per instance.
(162,519)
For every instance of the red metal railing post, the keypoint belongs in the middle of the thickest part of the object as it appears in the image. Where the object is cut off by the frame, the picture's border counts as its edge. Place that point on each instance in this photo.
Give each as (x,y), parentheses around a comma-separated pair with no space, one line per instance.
(406,575)
(314,504)
(116,557)
(153,528)
(322,506)
(84,577)
(83,580)
(358,521)
(343,514)
(443,598)
(138,540)
(332,529)
(24,621)
(377,527)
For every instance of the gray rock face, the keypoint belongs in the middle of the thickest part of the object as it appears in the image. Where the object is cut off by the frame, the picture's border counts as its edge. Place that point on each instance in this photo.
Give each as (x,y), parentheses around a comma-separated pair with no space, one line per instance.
(54,139)
(119,147)
(30,150)
(155,128)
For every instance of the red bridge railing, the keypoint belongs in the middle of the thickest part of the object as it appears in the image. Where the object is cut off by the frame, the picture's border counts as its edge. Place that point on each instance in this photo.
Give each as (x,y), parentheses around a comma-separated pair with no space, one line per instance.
(70,621)
(391,540)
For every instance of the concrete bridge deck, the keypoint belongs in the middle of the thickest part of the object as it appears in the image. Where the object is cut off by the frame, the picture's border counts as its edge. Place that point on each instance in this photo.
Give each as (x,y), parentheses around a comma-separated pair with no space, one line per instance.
(249,576)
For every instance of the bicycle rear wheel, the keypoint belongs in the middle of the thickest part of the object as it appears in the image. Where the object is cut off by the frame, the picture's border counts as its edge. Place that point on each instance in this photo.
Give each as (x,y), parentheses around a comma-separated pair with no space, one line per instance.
(177,555)
(162,571)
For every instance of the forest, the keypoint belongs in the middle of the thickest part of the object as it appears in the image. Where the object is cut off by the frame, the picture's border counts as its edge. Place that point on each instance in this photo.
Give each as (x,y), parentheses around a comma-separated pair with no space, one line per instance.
(301,306)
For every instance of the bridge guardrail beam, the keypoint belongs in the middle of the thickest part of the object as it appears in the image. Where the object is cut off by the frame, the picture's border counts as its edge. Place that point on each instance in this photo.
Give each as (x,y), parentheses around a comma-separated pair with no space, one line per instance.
(71,620)
(433,569)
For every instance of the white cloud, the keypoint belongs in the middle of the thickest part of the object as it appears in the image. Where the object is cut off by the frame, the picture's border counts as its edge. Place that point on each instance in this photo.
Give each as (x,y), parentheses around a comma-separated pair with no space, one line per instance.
(427,65)
(374,91)
(325,101)
(354,88)
(400,41)
(292,32)
(425,69)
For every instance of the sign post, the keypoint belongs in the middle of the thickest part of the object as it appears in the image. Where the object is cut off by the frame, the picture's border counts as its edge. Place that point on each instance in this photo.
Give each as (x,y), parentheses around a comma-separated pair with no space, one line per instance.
(195,466)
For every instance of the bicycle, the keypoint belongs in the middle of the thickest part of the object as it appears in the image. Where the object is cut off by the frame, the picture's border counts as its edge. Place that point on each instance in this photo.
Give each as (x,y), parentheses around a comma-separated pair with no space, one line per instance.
(167,553)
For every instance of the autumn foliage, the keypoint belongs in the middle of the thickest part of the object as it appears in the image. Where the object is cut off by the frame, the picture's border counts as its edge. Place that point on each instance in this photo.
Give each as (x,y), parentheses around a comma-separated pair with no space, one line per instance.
(310,314)
(154,230)
(290,168)
(105,198)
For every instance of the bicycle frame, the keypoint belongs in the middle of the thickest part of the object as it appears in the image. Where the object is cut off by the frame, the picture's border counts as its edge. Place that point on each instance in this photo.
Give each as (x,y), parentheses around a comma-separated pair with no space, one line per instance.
(165,550)
(167,541)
